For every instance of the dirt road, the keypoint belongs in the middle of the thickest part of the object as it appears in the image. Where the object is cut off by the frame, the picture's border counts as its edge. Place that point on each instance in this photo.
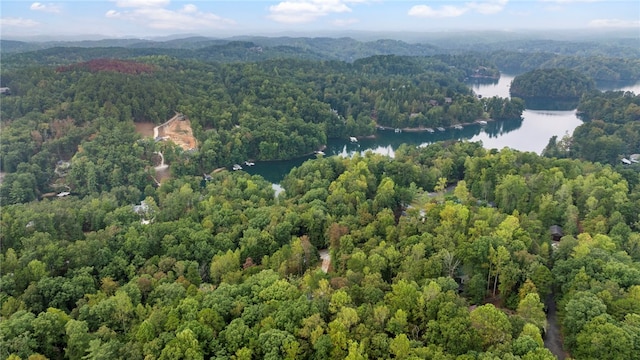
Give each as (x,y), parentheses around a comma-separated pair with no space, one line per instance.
(553,337)
(326,259)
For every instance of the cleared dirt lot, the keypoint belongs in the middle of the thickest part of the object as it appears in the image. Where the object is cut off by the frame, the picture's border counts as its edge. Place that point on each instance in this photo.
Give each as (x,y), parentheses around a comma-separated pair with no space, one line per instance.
(145,128)
(177,129)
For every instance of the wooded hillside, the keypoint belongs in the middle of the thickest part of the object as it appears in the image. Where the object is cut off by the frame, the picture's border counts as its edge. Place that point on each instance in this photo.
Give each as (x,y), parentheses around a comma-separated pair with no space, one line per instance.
(227,270)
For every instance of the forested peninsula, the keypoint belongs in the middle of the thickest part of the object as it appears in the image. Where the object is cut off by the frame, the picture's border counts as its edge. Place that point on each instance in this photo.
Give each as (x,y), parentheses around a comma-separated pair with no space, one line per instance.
(611,129)
(449,251)
(551,84)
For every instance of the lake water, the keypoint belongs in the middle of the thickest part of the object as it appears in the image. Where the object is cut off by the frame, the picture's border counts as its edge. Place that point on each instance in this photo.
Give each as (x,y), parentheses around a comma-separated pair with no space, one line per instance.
(531,133)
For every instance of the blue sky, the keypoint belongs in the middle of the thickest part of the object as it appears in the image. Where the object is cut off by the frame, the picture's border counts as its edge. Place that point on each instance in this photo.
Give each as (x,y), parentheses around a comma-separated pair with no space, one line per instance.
(149,18)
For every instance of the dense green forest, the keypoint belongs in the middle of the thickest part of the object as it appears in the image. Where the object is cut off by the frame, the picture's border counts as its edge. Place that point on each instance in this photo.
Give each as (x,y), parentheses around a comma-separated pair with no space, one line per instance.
(275,109)
(607,59)
(440,252)
(599,68)
(226,270)
(556,83)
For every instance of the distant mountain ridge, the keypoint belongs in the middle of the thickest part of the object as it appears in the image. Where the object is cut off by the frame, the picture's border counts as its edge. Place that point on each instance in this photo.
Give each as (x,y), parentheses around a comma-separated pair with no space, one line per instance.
(613,59)
(345,49)
(350,49)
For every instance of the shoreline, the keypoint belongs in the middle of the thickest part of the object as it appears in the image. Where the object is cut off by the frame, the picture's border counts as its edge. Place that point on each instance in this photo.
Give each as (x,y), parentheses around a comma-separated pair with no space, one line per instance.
(374,136)
(423,129)
(361,137)
(321,148)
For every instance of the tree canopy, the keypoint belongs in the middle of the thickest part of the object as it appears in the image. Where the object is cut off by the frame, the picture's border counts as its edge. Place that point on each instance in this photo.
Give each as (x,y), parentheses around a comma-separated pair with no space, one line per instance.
(229,270)
(554,83)
(440,252)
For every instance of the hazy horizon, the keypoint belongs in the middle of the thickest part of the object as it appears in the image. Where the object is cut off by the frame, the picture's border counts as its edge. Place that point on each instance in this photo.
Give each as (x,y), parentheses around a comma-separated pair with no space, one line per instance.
(149,19)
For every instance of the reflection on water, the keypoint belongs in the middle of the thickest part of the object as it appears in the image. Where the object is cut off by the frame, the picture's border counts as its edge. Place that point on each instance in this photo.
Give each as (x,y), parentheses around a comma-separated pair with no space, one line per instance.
(534,103)
(496,129)
(486,88)
(477,82)
(385,143)
(531,133)
(535,131)
(274,171)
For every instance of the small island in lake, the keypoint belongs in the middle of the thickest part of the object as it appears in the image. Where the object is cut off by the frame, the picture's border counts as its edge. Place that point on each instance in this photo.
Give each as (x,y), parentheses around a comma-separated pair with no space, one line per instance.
(559,85)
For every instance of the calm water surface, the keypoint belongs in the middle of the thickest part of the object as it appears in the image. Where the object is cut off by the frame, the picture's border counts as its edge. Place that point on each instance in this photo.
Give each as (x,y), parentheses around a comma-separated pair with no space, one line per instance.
(531,133)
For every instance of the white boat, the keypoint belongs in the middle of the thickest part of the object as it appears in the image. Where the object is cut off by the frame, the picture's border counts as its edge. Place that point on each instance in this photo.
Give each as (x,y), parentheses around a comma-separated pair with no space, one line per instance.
(353,139)
(482,122)
(430,130)
(440,128)
(237,167)
(319,152)
(249,163)
(397,130)
(458,127)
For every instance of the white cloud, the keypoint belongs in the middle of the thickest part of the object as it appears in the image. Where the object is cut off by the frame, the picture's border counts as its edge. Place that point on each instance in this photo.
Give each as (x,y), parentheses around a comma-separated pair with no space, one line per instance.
(303,11)
(488,7)
(18,22)
(617,23)
(155,15)
(189,9)
(570,1)
(51,8)
(141,3)
(444,11)
(112,14)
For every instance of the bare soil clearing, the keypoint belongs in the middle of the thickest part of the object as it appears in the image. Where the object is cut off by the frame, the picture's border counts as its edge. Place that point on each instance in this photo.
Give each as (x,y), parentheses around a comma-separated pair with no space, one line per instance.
(145,128)
(178,130)
(326,259)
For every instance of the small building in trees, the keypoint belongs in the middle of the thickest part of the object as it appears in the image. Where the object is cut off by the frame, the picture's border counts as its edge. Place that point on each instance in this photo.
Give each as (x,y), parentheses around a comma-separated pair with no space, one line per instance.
(5,91)
(556,232)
